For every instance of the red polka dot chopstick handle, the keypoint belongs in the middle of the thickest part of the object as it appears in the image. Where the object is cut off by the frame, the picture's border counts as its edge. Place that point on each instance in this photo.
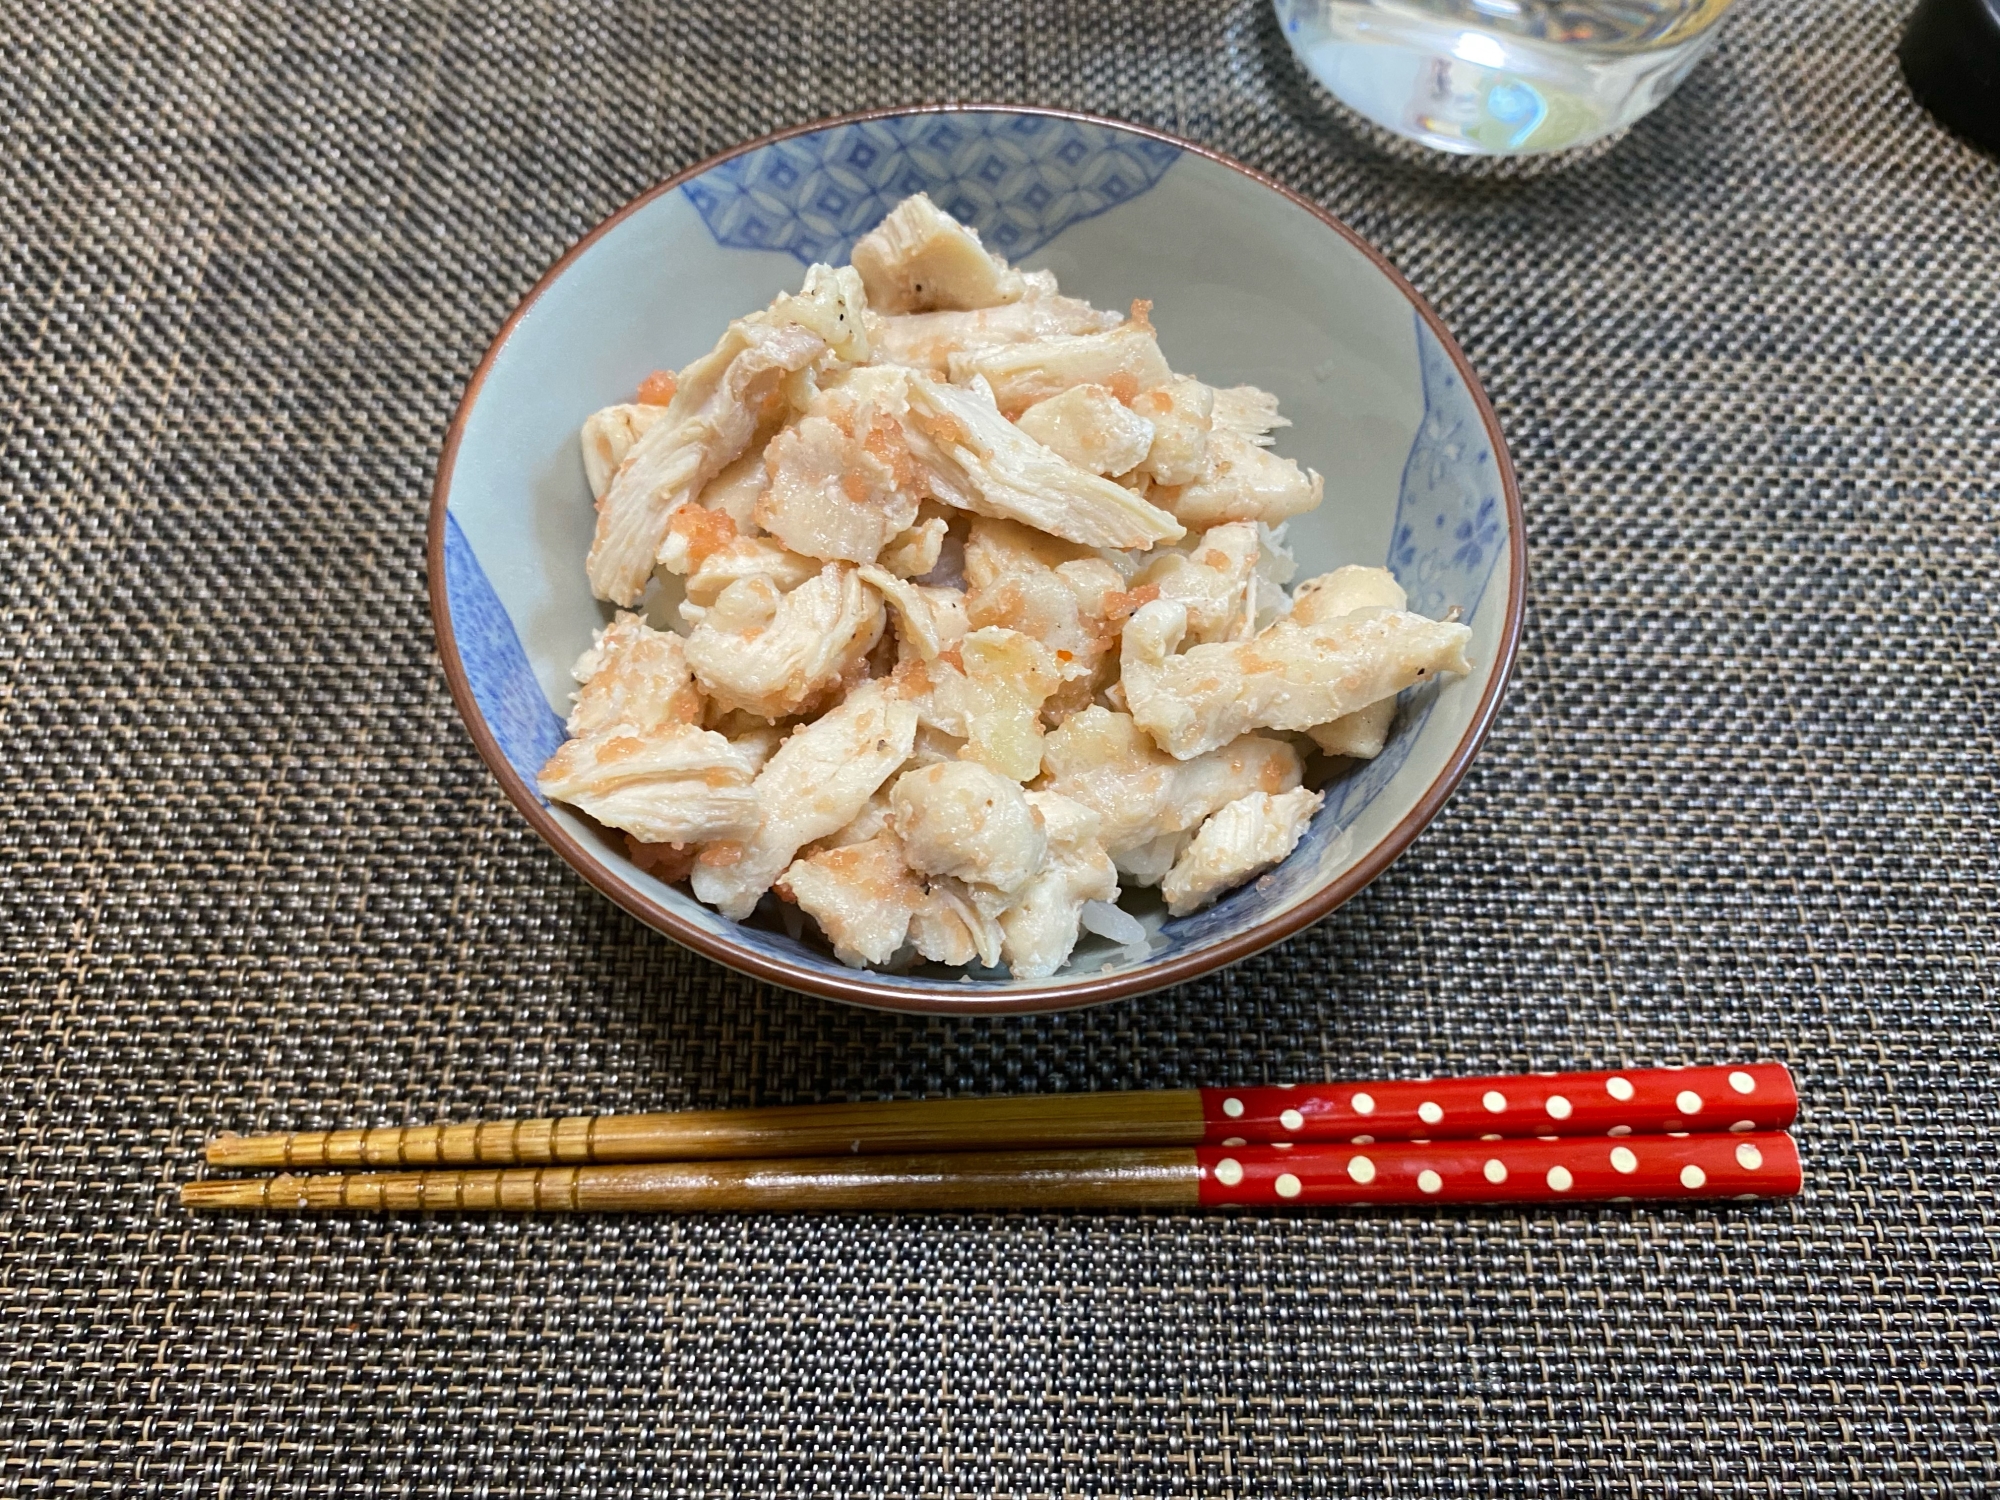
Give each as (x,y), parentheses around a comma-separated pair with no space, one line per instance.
(1759,1164)
(1632,1101)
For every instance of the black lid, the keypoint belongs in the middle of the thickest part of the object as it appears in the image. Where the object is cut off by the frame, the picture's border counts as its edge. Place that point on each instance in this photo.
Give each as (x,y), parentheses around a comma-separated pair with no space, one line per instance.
(1951,56)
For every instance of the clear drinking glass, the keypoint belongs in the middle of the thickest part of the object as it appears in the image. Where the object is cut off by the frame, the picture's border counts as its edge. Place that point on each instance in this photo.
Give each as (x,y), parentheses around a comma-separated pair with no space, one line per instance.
(1500,77)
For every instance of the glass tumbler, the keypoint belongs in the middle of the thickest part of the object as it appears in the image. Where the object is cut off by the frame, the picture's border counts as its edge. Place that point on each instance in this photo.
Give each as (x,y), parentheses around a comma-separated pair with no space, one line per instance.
(1500,77)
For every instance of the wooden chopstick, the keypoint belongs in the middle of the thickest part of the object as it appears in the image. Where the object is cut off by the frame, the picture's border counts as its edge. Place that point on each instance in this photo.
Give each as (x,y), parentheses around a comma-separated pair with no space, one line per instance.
(1760,1164)
(1754,1096)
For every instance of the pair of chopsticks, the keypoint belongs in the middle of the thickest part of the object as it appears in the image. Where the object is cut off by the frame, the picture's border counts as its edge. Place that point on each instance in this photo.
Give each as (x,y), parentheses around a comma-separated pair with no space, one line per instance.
(1659,1133)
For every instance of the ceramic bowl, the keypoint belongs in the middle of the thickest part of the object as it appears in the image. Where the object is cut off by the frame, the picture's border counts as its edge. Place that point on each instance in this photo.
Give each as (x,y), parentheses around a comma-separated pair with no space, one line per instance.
(1249,283)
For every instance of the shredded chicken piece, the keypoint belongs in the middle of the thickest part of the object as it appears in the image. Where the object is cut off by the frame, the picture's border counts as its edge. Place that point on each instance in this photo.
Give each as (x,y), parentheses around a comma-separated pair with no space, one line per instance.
(842,482)
(958,923)
(703,546)
(1082,630)
(927,341)
(820,779)
(921,259)
(737,489)
(1055,591)
(744,558)
(923,469)
(1039,930)
(638,760)
(762,363)
(986,694)
(1288,676)
(861,894)
(994,549)
(934,745)
(672,785)
(1247,413)
(1240,840)
(721,399)
(1091,428)
(1105,761)
(757,746)
(1181,412)
(773,653)
(634,676)
(1008,677)
(916,551)
(998,470)
(1215,582)
(1363,733)
(1126,360)
(927,619)
(1072,697)
(1321,600)
(1148,864)
(1099,587)
(1242,482)
(834,305)
(872,821)
(970,823)
(608,435)
(937,688)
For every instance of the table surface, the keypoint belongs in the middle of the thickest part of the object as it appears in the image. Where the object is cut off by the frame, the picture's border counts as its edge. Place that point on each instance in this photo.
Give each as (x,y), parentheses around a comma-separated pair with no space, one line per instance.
(1741,803)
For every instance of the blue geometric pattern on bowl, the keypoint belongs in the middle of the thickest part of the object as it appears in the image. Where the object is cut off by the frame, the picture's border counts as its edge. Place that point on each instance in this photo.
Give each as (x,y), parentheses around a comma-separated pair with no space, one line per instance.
(1020,180)
(509,698)
(1447,538)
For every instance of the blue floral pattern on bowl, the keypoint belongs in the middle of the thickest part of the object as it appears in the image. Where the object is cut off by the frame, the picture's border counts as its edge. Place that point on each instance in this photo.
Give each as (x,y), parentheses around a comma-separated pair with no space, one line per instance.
(496,666)
(1449,533)
(1020,180)
(1444,548)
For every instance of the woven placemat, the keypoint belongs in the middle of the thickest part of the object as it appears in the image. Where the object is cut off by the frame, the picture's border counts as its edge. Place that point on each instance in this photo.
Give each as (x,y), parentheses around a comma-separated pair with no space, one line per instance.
(1741,803)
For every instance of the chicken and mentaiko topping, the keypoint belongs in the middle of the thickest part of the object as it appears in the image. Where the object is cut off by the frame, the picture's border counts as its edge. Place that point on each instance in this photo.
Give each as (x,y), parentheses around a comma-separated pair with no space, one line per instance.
(981,618)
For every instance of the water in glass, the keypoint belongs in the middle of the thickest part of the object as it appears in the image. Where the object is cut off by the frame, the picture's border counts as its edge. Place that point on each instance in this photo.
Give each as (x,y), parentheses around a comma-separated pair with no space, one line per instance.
(1500,77)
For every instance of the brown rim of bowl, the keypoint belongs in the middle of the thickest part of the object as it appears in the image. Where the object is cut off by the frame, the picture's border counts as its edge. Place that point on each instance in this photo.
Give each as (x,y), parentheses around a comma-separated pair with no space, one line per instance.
(860,988)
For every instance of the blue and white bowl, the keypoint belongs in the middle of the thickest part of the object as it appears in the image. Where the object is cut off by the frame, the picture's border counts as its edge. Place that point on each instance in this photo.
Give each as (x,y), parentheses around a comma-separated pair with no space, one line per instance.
(1249,283)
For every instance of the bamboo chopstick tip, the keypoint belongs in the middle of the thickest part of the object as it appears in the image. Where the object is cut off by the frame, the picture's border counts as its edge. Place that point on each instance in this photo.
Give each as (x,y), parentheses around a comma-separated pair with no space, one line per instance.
(221,1148)
(222,1193)
(230,1150)
(285,1191)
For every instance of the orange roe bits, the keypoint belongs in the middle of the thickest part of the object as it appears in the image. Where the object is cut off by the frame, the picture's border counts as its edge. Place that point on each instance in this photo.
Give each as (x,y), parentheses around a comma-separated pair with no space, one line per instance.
(705,531)
(658,388)
(886,442)
(1121,606)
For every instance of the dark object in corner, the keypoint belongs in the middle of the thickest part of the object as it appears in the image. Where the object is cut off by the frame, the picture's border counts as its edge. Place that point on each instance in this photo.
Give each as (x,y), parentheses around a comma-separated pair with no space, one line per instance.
(1951,57)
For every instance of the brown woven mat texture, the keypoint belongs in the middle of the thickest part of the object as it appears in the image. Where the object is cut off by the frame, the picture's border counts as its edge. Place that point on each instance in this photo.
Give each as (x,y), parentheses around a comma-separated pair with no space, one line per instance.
(1740,804)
